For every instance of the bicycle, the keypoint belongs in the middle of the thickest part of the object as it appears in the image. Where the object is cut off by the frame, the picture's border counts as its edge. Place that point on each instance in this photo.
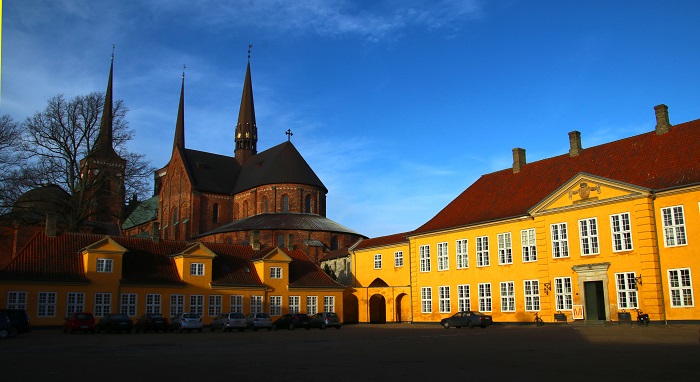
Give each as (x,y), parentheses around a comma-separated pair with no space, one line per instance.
(642,318)
(538,320)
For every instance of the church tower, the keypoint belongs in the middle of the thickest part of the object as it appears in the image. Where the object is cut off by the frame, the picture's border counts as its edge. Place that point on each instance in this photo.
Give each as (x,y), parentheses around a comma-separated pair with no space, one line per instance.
(246,129)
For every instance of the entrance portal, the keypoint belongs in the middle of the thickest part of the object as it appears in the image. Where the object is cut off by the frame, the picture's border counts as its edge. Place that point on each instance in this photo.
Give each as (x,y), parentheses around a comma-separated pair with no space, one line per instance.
(377,309)
(595,300)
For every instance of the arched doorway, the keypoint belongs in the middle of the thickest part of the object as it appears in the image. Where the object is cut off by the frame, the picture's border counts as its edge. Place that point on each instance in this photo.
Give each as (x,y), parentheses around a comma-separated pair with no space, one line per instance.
(377,309)
(351,309)
(403,308)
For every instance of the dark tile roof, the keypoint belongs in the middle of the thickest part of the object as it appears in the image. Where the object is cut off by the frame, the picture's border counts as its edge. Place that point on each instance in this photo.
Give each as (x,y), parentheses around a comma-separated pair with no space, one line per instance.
(651,161)
(279,164)
(383,240)
(232,266)
(336,254)
(304,273)
(283,221)
(145,212)
(210,172)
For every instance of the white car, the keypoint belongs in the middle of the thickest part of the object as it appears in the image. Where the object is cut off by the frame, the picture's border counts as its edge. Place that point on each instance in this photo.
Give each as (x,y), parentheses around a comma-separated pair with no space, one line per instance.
(186,321)
(256,321)
(228,322)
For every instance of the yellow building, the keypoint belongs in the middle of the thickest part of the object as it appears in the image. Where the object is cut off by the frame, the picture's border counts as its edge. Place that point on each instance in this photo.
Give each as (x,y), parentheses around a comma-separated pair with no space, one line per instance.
(54,276)
(583,236)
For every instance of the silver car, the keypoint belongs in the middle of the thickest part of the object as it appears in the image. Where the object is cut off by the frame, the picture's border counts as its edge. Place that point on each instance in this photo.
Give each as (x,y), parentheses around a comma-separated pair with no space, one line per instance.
(256,321)
(186,321)
(228,322)
(324,320)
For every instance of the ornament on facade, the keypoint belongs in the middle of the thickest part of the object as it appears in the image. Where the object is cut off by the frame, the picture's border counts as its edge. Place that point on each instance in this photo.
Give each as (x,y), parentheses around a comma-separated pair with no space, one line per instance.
(584,191)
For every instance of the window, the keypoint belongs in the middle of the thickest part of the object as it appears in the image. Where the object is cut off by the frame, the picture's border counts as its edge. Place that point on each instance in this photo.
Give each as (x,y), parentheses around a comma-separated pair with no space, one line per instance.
(75,302)
(174,216)
(153,304)
(507,296)
(103,304)
(256,304)
(280,240)
(482,251)
(47,304)
(532,295)
(266,205)
(442,257)
(505,248)
(104,265)
(285,203)
(290,240)
(16,300)
(311,304)
(444,299)
(398,259)
(294,305)
(681,287)
(562,293)
(197,269)
(560,242)
(527,240)
(215,302)
(307,204)
(128,304)
(237,304)
(621,231)
(197,304)
(462,254)
(588,230)
(378,261)
(275,272)
(177,304)
(329,303)
(463,300)
(215,213)
(275,305)
(485,297)
(426,300)
(425,258)
(626,290)
(674,226)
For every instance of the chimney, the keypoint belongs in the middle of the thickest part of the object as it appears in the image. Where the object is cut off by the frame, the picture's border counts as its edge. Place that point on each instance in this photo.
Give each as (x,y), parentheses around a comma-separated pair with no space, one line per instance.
(518,159)
(662,124)
(51,219)
(155,231)
(574,143)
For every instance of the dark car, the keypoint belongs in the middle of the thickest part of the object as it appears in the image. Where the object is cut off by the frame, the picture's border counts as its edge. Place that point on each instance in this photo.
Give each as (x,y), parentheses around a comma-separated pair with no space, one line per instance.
(19,319)
(468,318)
(117,322)
(324,319)
(292,321)
(6,328)
(80,322)
(152,321)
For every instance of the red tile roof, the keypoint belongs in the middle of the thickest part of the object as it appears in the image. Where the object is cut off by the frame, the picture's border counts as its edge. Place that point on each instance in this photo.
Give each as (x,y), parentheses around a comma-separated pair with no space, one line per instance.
(303,272)
(652,161)
(383,240)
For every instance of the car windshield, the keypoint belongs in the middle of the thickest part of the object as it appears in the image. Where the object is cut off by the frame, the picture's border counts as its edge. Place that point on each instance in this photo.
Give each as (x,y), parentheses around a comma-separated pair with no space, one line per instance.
(156,316)
(190,315)
(120,316)
(83,316)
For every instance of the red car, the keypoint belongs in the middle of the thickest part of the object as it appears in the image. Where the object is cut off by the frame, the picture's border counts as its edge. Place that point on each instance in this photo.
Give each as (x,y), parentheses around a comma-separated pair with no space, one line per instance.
(79,322)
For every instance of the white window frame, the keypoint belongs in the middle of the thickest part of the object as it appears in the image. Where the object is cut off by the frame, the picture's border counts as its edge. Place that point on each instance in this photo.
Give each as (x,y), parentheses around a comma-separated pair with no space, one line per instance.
(75,302)
(256,304)
(215,302)
(426,300)
(177,304)
(398,259)
(236,303)
(103,304)
(294,304)
(443,256)
(673,221)
(462,253)
(378,261)
(128,303)
(588,232)
(532,295)
(482,251)
(275,272)
(464,297)
(485,297)
(626,287)
(563,293)
(505,248)
(197,304)
(621,227)
(153,303)
(680,284)
(104,265)
(275,305)
(528,243)
(507,296)
(329,303)
(196,269)
(46,304)
(424,258)
(560,240)
(17,299)
(444,299)
(311,305)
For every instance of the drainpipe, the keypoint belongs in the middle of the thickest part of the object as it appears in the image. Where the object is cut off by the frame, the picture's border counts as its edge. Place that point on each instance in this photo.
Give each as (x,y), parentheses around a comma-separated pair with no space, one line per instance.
(658,260)
(410,279)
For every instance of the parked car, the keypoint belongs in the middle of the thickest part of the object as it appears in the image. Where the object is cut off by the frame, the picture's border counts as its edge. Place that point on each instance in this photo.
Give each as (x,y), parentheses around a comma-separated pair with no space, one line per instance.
(80,322)
(467,318)
(292,321)
(115,322)
(186,321)
(228,322)
(256,321)
(325,319)
(6,328)
(19,319)
(152,321)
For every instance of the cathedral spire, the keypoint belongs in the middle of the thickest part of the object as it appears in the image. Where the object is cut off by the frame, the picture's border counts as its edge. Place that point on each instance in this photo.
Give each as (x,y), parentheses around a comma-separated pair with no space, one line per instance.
(246,129)
(103,144)
(180,124)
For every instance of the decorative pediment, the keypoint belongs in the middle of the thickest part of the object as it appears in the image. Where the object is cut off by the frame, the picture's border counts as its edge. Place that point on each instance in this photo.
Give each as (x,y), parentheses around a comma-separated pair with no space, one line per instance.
(276,255)
(104,246)
(585,189)
(195,251)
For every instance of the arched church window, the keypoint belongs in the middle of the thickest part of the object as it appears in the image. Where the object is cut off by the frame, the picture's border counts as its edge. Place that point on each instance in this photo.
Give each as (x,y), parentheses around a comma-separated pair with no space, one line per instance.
(245,209)
(266,205)
(307,204)
(285,203)
(174,216)
(280,240)
(334,243)
(215,213)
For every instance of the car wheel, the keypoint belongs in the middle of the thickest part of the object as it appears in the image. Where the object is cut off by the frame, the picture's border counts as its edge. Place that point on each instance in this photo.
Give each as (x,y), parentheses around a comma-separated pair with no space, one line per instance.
(241,329)
(471,325)
(483,326)
(4,333)
(269,328)
(323,326)
(291,326)
(199,330)
(211,328)
(180,329)
(274,326)
(308,328)
(337,327)
(446,325)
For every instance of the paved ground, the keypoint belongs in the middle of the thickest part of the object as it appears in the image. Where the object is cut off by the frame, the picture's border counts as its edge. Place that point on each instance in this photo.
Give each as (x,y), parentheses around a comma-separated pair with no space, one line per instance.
(361,353)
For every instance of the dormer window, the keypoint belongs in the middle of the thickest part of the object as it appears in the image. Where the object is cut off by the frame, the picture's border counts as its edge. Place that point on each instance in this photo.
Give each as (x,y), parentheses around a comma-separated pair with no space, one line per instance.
(104,265)
(197,269)
(276,272)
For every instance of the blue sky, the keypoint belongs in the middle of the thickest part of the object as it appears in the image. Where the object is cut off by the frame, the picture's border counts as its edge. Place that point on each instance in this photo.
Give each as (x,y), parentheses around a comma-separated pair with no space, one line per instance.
(398,105)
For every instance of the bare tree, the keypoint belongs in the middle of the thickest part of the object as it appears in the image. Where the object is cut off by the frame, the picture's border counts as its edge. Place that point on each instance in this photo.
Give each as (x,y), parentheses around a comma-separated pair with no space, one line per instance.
(11,159)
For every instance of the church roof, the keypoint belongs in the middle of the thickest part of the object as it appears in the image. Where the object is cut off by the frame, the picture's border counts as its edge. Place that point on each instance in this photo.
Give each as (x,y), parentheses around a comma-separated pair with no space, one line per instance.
(210,172)
(104,143)
(145,212)
(283,221)
(649,160)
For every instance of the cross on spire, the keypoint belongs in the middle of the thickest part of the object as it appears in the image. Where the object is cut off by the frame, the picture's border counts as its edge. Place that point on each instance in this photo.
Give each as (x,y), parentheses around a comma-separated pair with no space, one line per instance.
(249,46)
(289,135)
(183,70)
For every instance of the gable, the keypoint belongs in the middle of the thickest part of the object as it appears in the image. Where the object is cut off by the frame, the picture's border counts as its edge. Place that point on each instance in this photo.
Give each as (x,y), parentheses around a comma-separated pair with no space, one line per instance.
(104,246)
(276,255)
